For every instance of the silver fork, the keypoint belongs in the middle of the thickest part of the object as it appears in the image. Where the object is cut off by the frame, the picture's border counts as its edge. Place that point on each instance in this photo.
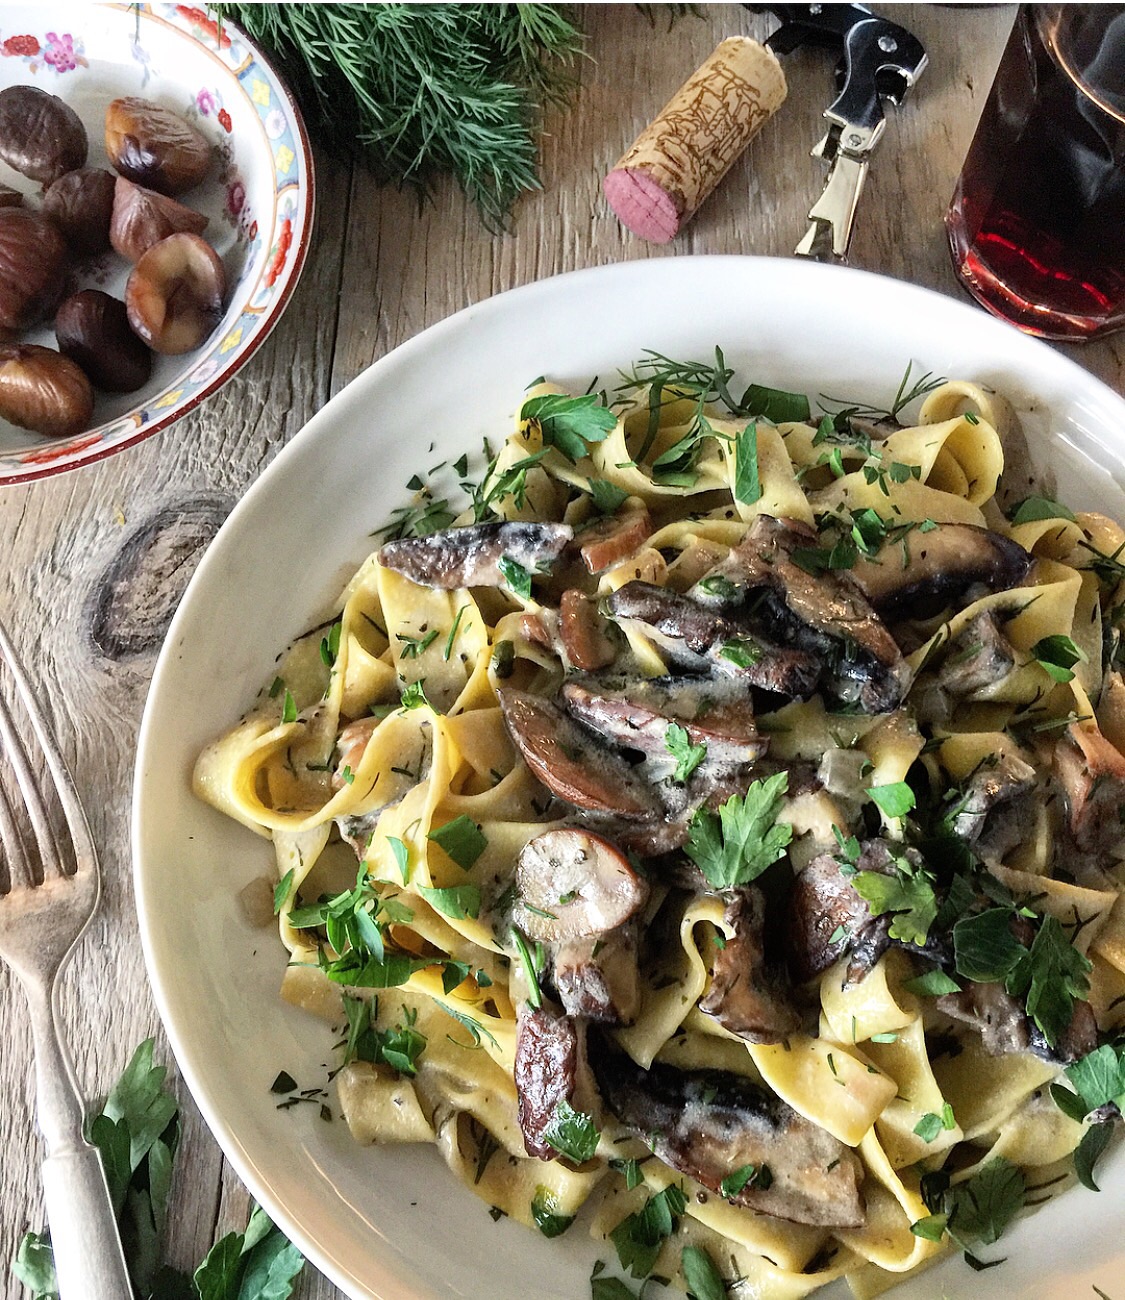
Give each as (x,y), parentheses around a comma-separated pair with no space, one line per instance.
(39,927)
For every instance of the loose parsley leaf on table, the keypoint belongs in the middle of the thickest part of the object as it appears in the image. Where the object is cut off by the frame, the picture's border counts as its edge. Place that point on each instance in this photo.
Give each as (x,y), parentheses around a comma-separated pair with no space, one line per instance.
(745,838)
(688,756)
(137,1132)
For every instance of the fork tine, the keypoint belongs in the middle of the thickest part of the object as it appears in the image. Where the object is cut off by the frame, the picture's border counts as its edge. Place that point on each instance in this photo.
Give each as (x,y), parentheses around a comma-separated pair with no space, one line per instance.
(15,852)
(64,786)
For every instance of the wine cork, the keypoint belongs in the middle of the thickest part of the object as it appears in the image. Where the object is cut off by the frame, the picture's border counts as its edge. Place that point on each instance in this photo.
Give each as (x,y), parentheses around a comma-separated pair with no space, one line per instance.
(678,160)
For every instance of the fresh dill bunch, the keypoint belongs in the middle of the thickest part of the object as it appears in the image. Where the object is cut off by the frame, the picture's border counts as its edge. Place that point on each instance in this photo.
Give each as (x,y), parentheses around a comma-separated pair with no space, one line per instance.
(417,90)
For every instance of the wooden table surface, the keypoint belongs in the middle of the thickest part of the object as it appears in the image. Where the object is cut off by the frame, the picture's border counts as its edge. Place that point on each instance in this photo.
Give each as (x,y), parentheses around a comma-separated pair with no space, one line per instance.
(98,558)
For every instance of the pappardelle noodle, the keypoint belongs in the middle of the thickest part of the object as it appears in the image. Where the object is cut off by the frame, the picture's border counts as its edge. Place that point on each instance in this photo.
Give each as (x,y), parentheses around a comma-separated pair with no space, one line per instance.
(717,824)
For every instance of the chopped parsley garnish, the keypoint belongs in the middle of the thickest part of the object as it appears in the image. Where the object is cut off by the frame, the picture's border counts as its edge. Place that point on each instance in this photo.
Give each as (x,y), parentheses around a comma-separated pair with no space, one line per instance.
(745,1176)
(1049,977)
(975,1211)
(741,652)
(503,658)
(414,696)
(933,984)
(1057,655)
(543,1207)
(330,645)
(607,496)
(572,1133)
(1097,1079)
(399,1047)
(1034,508)
(570,423)
(401,856)
(639,1237)
(289,707)
(688,756)
(908,891)
(516,576)
(704,1280)
(281,892)
(462,839)
(896,799)
(452,637)
(745,838)
(456,901)
(413,646)
(747,481)
(930,1125)
(717,585)
(532,963)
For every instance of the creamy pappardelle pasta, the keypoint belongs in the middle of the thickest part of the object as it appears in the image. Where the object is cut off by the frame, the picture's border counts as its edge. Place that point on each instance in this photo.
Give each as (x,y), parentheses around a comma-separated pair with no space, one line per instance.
(715,830)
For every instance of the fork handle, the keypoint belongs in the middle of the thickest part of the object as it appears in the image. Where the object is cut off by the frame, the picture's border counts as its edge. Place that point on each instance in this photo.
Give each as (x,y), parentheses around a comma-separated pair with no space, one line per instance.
(88,1256)
(89,1260)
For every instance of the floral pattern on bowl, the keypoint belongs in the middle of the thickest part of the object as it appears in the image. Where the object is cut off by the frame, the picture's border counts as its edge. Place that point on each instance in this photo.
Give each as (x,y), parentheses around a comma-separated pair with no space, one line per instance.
(259,198)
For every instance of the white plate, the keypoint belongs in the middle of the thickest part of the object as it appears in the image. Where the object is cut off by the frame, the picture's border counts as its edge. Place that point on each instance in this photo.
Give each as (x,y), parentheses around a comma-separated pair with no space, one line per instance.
(258,197)
(394,1223)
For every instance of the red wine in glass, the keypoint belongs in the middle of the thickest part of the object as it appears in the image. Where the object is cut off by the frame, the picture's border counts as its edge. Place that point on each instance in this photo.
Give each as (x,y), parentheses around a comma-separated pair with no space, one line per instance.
(1037,222)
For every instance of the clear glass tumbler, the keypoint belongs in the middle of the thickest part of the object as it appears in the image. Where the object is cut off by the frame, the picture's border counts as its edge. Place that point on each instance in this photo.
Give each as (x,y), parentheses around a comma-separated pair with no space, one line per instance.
(1037,222)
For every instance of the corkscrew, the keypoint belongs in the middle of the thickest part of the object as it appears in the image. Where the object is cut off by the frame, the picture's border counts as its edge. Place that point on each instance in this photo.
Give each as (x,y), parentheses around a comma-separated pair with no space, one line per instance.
(880,61)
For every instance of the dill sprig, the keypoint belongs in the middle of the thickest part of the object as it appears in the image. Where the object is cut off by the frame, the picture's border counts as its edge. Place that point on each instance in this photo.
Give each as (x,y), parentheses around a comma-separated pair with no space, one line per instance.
(417,90)
(907,392)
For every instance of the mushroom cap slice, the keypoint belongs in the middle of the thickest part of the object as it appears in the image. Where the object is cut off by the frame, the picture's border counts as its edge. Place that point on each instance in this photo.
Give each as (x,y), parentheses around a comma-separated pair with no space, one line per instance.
(923,572)
(470,556)
(573,884)
(1091,773)
(569,761)
(708,1124)
(545,1073)
(745,996)
(597,976)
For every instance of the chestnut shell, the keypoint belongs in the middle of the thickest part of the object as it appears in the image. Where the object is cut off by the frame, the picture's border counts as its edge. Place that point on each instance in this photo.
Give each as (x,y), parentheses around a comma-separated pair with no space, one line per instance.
(142,218)
(80,204)
(32,267)
(154,147)
(93,330)
(44,391)
(40,135)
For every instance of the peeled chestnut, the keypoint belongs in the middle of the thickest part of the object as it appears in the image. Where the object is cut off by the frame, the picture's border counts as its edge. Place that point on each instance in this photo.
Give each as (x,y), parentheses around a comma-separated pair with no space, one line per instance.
(80,204)
(154,147)
(174,295)
(43,391)
(93,330)
(32,266)
(142,218)
(40,136)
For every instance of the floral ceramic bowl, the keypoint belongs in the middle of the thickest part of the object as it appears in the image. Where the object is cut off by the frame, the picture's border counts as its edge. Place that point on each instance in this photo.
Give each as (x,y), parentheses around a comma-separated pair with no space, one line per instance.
(258,197)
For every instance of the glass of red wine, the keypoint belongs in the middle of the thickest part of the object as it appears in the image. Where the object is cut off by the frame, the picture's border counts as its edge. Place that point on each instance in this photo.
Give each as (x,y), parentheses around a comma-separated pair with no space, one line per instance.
(1037,222)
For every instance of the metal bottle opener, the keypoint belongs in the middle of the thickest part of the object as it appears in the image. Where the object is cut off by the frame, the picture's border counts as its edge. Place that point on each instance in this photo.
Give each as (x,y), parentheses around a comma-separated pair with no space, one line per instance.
(880,61)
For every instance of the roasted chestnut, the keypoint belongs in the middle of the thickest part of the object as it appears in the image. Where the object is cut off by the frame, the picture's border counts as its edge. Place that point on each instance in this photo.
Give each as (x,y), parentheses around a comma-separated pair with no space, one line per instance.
(154,146)
(32,266)
(40,136)
(93,330)
(142,218)
(174,295)
(80,204)
(43,391)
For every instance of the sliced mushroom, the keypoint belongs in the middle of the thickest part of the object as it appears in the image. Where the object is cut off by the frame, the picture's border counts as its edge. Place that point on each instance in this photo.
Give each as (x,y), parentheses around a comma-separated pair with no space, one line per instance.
(708,1124)
(993,1013)
(980,657)
(1077,1040)
(569,762)
(638,717)
(828,917)
(545,1072)
(583,633)
(745,996)
(350,746)
(824,615)
(471,556)
(611,540)
(995,810)
(573,884)
(923,572)
(1091,772)
(596,976)
(698,640)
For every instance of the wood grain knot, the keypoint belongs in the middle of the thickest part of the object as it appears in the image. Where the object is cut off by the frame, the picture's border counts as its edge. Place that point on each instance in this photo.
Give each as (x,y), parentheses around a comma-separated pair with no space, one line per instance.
(138,591)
